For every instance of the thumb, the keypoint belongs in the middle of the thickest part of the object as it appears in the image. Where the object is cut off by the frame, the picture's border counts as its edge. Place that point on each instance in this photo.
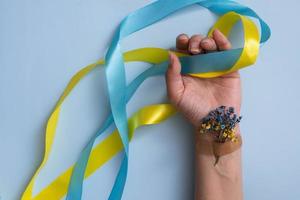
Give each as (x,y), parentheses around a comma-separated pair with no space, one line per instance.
(175,86)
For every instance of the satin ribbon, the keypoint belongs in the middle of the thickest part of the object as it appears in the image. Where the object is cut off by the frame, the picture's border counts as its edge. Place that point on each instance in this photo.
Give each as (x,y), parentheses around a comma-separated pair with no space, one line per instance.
(207,65)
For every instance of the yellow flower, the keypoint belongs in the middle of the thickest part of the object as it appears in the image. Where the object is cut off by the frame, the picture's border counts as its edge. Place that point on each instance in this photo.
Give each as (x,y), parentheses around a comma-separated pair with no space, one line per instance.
(208,126)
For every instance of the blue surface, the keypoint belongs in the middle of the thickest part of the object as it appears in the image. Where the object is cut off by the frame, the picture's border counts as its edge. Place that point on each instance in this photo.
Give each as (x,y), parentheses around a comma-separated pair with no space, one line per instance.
(44,43)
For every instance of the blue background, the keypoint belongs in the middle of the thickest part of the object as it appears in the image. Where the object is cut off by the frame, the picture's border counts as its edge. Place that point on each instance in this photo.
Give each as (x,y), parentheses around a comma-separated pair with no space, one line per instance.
(43,43)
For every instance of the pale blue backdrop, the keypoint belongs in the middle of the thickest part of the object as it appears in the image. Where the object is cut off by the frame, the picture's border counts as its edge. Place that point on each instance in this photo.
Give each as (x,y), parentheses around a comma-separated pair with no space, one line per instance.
(43,43)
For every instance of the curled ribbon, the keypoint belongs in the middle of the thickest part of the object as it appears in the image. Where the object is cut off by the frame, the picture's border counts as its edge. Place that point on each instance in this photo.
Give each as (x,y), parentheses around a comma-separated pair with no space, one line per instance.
(204,66)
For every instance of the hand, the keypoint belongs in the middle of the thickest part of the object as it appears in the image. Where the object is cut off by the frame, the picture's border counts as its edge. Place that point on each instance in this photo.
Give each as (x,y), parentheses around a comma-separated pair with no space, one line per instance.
(195,97)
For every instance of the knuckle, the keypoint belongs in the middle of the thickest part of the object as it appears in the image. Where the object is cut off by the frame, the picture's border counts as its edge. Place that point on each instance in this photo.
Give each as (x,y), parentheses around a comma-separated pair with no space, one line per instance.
(197,37)
(208,43)
(182,41)
(182,36)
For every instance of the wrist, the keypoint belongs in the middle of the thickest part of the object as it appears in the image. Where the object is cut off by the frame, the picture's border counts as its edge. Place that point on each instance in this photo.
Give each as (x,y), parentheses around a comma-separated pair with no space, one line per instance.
(219,133)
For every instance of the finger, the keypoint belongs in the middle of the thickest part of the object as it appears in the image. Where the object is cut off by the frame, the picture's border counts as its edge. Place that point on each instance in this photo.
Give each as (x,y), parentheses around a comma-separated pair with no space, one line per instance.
(224,44)
(221,40)
(208,44)
(194,44)
(174,80)
(182,42)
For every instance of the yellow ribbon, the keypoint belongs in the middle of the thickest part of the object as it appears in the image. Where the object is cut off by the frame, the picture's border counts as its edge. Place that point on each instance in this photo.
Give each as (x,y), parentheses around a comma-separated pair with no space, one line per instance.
(148,115)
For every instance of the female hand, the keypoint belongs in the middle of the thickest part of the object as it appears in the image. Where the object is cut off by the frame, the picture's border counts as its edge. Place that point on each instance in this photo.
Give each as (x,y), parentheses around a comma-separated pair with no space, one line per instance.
(195,97)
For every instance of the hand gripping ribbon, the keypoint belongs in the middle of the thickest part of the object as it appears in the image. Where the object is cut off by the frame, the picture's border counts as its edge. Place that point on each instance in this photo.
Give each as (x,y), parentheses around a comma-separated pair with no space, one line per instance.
(214,64)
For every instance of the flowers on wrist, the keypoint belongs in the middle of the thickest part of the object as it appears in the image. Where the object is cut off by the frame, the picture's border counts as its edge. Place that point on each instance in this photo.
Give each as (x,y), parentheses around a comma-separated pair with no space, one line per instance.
(221,123)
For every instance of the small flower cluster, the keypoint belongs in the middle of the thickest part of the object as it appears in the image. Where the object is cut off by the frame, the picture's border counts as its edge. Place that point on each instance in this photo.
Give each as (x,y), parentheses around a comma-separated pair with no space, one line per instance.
(221,123)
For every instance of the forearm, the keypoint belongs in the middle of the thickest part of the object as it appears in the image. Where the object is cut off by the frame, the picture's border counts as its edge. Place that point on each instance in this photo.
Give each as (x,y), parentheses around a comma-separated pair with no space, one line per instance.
(222,181)
(196,98)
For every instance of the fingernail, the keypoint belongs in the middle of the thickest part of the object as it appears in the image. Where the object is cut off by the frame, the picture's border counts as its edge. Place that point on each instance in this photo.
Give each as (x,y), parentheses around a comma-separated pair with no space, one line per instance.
(194,49)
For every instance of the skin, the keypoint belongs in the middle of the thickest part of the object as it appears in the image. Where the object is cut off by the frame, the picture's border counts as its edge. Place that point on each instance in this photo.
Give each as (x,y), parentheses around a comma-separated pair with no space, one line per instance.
(195,97)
